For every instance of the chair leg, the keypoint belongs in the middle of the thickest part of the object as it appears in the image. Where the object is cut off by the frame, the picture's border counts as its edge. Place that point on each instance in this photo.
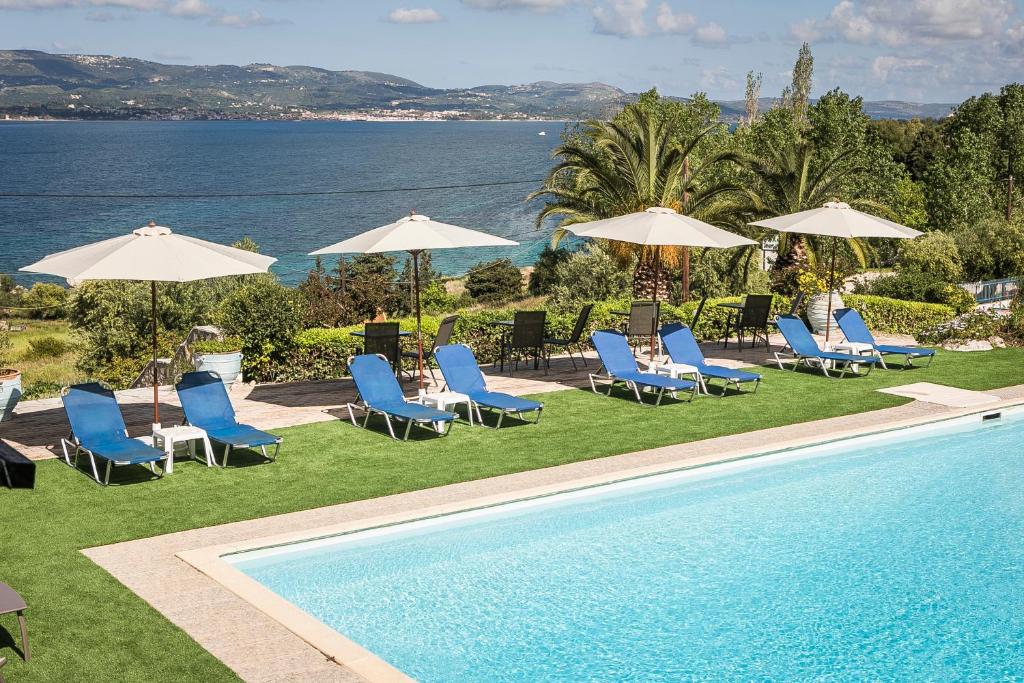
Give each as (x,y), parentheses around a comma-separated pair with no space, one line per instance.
(106,476)
(227,452)
(24,636)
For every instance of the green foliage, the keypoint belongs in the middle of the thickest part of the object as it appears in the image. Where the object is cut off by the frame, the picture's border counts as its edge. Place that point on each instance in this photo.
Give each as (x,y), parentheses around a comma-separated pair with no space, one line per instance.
(914,285)
(225,345)
(47,299)
(992,248)
(1014,324)
(266,315)
(435,298)
(496,281)
(372,287)
(587,275)
(5,348)
(542,277)
(958,186)
(975,325)
(47,347)
(935,253)
(895,316)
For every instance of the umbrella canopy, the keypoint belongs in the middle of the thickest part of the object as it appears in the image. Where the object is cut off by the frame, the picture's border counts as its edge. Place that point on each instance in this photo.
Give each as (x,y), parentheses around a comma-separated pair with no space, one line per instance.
(155,254)
(837,220)
(414,233)
(659,227)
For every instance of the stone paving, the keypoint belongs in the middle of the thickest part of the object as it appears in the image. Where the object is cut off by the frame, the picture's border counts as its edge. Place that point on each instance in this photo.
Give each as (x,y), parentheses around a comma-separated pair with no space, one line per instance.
(39,425)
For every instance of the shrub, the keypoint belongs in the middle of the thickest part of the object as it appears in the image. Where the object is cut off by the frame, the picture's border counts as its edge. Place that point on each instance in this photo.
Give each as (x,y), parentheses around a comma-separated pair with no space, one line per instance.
(992,248)
(935,254)
(918,286)
(5,349)
(543,276)
(47,347)
(435,298)
(494,282)
(266,315)
(968,327)
(896,316)
(225,345)
(48,301)
(588,275)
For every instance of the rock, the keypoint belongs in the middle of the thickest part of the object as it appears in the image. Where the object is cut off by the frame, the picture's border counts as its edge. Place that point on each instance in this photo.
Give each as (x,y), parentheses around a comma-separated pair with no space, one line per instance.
(972,345)
(997,342)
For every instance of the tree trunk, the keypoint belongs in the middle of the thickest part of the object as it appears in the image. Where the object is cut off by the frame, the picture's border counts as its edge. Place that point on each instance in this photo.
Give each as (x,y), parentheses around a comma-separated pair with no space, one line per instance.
(643,282)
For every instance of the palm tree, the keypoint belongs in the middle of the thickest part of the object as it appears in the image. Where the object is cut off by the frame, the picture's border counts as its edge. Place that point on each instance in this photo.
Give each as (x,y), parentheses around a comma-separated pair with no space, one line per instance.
(629,164)
(790,178)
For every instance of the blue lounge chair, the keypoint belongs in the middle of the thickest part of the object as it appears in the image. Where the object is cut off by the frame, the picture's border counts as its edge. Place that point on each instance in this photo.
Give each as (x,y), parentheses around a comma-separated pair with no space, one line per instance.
(620,365)
(381,393)
(678,342)
(207,406)
(854,329)
(462,374)
(805,350)
(98,430)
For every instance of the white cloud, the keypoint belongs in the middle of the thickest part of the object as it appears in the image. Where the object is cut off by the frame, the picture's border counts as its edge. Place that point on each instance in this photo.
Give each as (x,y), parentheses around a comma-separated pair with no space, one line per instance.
(190,9)
(886,66)
(533,5)
(710,34)
(182,9)
(674,22)
(250,19)
(717,79)
(423,15)
(623,18)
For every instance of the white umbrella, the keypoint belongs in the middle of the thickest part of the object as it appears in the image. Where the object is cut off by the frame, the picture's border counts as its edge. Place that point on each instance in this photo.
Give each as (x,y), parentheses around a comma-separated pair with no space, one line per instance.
(156,254)
(837,220)
(659,227)
(414,233)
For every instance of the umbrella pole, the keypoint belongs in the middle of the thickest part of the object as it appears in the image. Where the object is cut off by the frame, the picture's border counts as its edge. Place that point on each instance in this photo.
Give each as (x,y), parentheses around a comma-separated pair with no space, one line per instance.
(419,332)
(831,287)
(654,298)
(156,368)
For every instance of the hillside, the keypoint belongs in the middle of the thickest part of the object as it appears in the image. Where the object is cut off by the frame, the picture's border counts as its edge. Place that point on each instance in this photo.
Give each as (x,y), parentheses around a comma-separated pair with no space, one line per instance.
(103,87)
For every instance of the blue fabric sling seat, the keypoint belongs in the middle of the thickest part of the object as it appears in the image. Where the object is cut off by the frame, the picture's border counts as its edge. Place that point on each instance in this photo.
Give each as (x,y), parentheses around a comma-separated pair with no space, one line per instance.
(854,329)
(98,430)
(462,374)
(620,365)
(206,405)
(807,351)
(678,341)
(381,393)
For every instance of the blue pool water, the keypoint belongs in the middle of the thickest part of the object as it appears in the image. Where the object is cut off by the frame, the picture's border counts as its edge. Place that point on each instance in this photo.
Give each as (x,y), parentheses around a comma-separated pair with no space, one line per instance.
(896,560)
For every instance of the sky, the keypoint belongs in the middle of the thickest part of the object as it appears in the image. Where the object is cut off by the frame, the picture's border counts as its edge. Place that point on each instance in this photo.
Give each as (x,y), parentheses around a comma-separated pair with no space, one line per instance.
(914,50)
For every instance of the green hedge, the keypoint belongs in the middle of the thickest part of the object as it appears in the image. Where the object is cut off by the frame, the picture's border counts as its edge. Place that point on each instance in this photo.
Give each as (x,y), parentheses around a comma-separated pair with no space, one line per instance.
(323,353)
(895,316)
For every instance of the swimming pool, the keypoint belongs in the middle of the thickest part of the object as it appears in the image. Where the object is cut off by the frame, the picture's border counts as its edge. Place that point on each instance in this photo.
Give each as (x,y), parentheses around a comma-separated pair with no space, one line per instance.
(898,556)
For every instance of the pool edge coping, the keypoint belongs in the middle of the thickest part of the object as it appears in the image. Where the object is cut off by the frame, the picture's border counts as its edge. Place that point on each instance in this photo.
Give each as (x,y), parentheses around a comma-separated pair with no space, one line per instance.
(209,560)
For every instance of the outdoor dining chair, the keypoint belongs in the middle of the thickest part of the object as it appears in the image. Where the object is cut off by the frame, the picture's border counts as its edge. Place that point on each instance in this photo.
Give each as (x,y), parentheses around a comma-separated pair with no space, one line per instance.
(696,314)
(443,336)
(527,338)
(642,323)
(752,318)
(382,339)
(574,339)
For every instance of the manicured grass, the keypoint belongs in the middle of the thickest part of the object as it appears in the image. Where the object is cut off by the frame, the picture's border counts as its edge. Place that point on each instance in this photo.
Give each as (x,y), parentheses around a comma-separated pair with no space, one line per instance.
(85,626)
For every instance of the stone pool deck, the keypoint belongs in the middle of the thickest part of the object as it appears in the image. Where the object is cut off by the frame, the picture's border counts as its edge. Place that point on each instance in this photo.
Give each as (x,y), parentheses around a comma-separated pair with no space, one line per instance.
(259,648)
(39,425)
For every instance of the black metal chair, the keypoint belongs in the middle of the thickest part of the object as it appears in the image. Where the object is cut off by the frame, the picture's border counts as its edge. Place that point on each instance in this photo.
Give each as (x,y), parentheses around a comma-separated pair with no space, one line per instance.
(382,339)
(574,339)
(527,337)
(443,336)
(797,301)
(643,323)
(753,318)
(696,314)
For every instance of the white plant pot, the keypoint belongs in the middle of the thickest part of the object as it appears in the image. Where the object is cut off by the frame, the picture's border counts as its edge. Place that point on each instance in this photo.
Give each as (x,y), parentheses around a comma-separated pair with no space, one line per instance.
(10,392)
(227,365)
(817,310)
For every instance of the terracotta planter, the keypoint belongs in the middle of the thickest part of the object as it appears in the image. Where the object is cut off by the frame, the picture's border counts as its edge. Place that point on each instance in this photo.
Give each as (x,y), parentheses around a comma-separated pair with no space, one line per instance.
(817,310)
(10,392)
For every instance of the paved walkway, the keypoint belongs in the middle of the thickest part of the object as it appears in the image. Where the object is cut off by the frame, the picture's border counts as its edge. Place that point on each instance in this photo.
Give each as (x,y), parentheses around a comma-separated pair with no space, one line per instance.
(39,425)
(258,648)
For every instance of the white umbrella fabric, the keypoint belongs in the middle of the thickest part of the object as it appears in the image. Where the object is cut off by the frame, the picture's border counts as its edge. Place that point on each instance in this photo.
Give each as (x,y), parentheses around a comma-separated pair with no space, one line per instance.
(415,234)
(659,227)
(837,220)
(153,254)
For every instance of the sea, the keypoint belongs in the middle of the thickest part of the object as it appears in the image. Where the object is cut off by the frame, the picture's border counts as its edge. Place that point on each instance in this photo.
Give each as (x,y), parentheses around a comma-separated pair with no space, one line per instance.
(381,166)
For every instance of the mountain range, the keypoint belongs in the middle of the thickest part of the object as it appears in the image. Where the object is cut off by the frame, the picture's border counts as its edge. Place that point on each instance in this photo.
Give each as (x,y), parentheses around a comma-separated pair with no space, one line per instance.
(34,83)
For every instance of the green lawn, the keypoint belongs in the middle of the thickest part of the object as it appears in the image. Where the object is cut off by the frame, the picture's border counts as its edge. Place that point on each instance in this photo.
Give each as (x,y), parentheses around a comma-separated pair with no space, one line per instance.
(85,626)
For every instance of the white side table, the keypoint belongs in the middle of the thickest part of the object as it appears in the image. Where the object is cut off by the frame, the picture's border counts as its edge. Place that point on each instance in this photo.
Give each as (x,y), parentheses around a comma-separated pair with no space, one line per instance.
(677,370)
(854,349)
(168,438)
(444,400)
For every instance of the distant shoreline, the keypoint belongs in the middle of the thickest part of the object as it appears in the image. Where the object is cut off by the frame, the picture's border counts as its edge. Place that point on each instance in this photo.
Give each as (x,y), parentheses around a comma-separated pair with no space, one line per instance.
(98,120)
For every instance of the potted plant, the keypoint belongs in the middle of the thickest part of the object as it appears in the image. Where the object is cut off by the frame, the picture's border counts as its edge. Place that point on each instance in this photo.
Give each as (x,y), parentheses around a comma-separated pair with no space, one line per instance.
(815,289)
(223,356)
(10,380)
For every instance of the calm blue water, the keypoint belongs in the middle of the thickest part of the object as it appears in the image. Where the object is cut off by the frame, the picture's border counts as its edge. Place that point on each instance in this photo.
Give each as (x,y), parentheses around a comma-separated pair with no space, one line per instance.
(223,157)
(898,562)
